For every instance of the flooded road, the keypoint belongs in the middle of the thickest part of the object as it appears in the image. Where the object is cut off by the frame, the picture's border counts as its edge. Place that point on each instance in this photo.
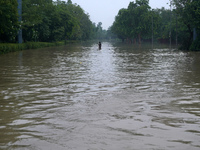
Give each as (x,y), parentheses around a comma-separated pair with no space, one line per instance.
(121,97)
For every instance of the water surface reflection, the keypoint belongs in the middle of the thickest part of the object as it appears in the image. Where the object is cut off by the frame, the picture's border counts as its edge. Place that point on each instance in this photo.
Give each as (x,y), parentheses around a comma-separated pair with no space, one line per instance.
(119,97)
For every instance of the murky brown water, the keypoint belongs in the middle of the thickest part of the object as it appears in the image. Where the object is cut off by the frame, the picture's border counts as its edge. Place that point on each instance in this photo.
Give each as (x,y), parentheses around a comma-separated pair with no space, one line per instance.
(120,98)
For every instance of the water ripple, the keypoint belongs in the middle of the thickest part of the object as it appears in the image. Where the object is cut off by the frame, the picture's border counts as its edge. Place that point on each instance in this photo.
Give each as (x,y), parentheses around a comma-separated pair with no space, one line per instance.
(122,97)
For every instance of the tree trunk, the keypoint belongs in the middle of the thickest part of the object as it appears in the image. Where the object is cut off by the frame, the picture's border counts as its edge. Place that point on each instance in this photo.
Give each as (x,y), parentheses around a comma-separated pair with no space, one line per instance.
(139,38)
(191,36)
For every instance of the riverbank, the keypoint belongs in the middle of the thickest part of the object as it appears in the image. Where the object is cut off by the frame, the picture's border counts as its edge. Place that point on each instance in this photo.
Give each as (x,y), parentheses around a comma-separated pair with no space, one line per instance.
(12,47)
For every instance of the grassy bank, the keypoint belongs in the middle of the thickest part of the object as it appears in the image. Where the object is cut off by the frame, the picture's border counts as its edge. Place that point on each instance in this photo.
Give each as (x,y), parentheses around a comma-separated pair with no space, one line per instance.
(12,47)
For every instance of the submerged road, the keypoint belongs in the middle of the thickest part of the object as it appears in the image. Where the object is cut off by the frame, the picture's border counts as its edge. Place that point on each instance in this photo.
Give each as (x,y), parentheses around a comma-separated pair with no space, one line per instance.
(80,98)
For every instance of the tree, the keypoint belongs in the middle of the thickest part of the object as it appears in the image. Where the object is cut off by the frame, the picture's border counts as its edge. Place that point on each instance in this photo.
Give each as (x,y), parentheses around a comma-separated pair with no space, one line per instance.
(8,20)
(86,27)
(142,18)
(120,26)
(45,21)
(99,30)
(189,12)
(32,16)
(133,22)
(162,26)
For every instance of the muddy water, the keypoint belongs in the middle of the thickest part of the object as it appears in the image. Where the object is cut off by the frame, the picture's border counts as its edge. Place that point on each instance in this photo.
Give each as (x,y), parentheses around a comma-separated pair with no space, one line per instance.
(120,97)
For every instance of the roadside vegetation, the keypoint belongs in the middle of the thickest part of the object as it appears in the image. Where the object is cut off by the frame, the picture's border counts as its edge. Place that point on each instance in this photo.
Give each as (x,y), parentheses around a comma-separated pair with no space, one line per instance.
(139,22)
(12,47)
(46,22)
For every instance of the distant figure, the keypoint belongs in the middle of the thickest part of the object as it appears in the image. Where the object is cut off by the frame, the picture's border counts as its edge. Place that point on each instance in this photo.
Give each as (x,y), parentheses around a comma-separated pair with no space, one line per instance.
(99,45)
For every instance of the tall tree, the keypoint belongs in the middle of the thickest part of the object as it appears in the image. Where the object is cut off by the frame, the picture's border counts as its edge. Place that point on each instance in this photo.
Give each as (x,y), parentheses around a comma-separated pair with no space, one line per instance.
(133,22)
(8,20)
(189,12)
(142,18)
(120,26)
(45,21)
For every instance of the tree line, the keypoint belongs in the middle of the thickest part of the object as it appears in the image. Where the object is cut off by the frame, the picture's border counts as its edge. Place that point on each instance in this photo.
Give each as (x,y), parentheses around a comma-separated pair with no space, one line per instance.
(47,21)
(139,22)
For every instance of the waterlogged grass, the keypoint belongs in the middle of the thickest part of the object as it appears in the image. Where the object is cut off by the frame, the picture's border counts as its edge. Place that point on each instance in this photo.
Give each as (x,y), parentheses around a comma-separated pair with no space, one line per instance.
(12,47)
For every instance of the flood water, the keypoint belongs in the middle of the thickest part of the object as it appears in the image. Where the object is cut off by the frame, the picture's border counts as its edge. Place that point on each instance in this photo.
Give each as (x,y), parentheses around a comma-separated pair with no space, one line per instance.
(122,97)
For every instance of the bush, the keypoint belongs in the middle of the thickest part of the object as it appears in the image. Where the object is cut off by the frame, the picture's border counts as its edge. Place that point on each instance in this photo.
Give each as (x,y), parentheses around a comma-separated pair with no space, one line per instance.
(11,47)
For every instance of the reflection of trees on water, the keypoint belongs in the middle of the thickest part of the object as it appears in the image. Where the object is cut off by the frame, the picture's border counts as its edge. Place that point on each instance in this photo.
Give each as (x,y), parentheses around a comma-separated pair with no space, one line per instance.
(56,92)
(8,114)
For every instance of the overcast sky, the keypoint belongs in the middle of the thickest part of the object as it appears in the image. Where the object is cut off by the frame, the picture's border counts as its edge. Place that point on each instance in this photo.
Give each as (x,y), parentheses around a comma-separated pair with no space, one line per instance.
(105,10)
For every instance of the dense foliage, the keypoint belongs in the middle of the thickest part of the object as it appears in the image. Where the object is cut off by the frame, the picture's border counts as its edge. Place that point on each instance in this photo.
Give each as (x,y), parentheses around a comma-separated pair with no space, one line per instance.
(8,20)
(139,22)
(189,17)
(57,20)
(46,21)
(135,22)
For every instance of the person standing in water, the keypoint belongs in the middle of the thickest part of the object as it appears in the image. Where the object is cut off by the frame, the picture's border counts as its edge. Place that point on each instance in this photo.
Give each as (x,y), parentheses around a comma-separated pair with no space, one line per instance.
(99,45)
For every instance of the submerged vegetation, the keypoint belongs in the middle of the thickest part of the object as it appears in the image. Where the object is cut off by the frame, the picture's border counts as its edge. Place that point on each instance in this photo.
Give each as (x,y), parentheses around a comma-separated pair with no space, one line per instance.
(52,21)
(12,47)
